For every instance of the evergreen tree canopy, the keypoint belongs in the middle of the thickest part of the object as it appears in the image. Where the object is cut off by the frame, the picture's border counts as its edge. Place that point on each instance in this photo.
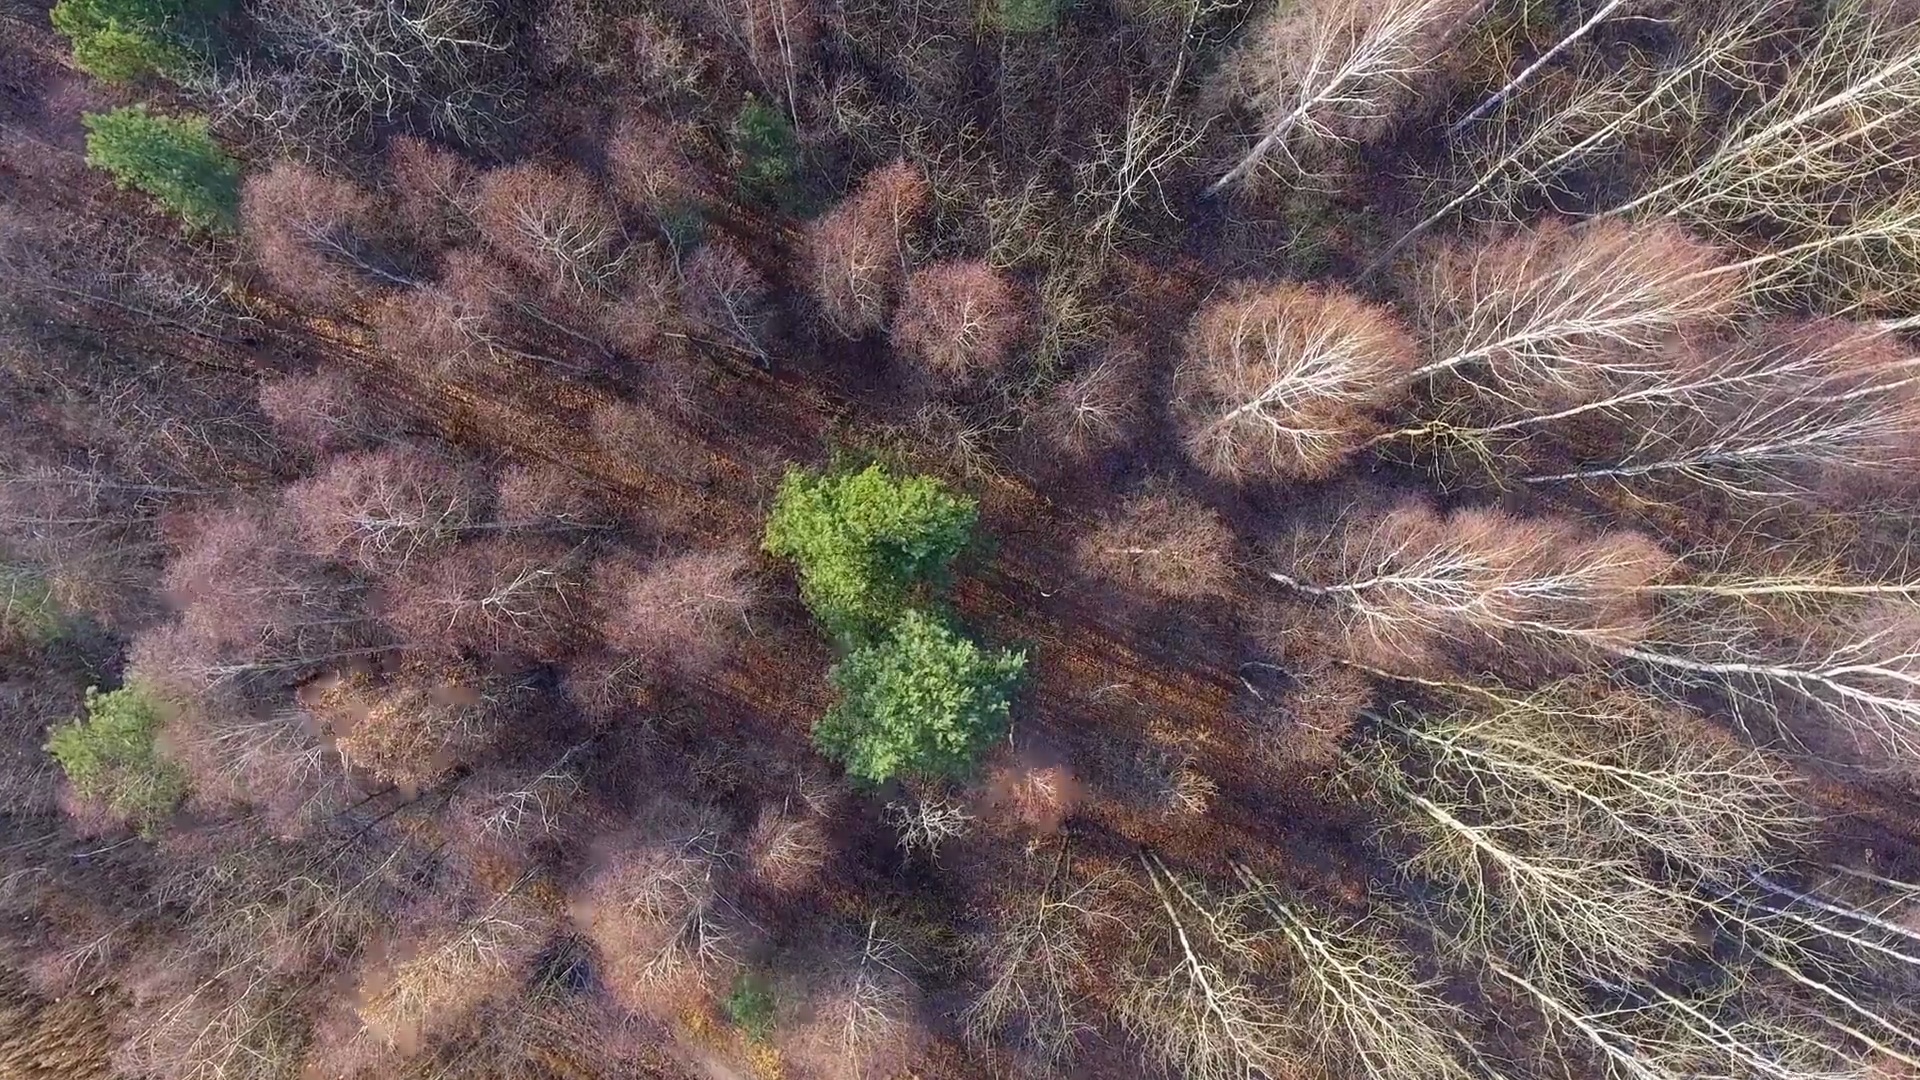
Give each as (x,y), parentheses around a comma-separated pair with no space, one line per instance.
(924,701)
(864,540)
(111,756)
(172,158)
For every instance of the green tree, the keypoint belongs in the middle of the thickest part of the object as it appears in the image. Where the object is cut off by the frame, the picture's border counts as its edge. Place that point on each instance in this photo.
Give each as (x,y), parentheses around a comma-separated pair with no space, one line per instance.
(864,541)
(750,1006)
(111,756)
(118,40)
(922,702)
(172,158)
(28,610)
(766,150)
(1029,16)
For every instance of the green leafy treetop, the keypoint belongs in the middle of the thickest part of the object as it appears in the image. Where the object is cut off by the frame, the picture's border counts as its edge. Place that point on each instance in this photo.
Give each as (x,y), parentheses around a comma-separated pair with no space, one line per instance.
(118,40)
(863,540)
(1029,16)
(751,1007)
(923,702)
(172,158)
(111,756)
(768,153)
(28,610)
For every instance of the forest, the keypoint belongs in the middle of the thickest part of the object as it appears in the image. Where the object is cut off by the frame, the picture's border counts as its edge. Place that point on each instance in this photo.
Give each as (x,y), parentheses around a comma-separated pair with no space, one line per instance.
(949,539)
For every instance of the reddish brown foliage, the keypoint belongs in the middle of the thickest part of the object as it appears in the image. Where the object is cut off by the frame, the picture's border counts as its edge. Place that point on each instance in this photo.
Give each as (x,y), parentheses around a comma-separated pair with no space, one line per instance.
(433,194)
(501,596)
(959,320)
(312,234)
(683,612)
(553,223)
(1287,382)
(857,252)
(377,509)
(1164,543)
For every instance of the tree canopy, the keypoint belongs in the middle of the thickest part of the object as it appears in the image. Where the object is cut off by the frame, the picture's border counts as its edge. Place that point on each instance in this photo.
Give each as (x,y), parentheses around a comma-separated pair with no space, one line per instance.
(924,702)
(172,158)
(864,541)
(111,756)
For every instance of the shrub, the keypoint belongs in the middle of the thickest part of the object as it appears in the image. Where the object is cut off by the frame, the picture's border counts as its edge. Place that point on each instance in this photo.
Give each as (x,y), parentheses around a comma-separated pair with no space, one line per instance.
(750,1006)
(959,321)
(111,756)
(172,158)
(857,251)
(863,541)
(28,610)
(118,40)
(765,150)
(923,702)
(1029,16)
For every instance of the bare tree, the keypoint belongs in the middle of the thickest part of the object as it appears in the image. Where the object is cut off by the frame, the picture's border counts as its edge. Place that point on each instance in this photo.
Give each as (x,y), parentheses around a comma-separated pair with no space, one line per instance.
(1413,582)
(314,235)
(1841,116)
(1099,408)
(1529,885)
(1336,70)
(786,851)
(504,812)
(780,37)
(456,971)
(416,732)
(477,318)
(1557,315)
(503,594)
(657,912)
(1039,963)
(1285,382)
(1197,1001)
(858,251)
(682,612)
(433,194)
(647,167)
(859,1007)
(322,413)
(727,298)
(348,65)
(554,223)
(1657,1035)
(1130,167)
(926,818)
(379,509)
(1596,116)
(958,320)
(1363,1005)
(250,604)
(1165,543)
(1795,411)
(548,497)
